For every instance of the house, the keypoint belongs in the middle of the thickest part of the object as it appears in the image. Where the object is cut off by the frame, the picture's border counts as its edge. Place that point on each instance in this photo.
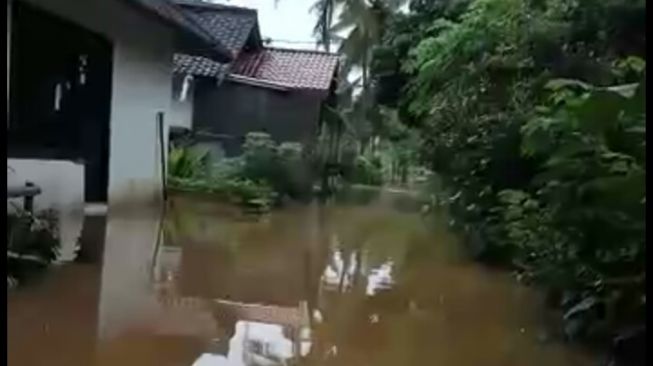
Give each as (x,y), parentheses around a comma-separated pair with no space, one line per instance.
(90,85)
(237,29)
(278,91)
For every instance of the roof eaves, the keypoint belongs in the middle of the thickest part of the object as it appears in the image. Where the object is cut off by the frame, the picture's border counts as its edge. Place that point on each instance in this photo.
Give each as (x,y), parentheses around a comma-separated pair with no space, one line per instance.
(233,26)
(259,82)
(199,66)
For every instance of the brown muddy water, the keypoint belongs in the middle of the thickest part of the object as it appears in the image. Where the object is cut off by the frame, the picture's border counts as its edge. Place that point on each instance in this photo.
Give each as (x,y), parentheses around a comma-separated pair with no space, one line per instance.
(349,284)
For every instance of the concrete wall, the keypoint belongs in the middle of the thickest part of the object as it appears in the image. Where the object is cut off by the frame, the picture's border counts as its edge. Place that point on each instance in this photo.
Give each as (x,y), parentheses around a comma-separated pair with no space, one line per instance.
(63,185)
(141,87)
(181,113)
(126,293)
(236,109)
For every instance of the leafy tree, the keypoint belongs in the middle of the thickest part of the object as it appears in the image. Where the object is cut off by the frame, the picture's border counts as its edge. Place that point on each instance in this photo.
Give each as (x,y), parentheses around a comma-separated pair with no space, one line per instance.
(516,107)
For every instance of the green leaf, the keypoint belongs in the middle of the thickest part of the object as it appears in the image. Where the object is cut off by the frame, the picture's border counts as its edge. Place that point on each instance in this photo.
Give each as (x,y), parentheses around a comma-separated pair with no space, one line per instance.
(557,84)
(581,307)
(626,90)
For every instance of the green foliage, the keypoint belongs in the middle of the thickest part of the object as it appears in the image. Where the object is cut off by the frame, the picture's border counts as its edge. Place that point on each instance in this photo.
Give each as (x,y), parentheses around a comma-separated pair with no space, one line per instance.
(366,170)
(324,10)
(258,177)
(588,230)
(281,166)
(297,176)
(237,190)
(32,243)
(187,163)
(533,115)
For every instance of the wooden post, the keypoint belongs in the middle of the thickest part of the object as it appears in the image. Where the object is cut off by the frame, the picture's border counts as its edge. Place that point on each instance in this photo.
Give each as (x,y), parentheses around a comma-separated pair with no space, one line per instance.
(159,120)
(28,201)
(9,16)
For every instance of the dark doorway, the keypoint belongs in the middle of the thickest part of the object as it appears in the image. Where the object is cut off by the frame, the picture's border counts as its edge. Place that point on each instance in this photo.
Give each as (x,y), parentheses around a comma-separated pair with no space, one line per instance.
(60,95)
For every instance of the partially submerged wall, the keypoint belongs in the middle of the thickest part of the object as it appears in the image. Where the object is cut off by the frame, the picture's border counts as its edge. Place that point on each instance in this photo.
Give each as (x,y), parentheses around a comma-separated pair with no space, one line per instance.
(63,181)
(141,87)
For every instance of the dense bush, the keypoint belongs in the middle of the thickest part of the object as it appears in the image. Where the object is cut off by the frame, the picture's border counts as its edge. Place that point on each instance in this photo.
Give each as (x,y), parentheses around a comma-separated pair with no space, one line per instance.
(544,170)
(283,166)
(579,226)
(190,170)
(366,170)
(264,173)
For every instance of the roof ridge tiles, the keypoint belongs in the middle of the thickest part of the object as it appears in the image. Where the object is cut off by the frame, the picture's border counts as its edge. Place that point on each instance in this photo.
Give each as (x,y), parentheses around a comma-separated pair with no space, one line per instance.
(282,49)
(213,6)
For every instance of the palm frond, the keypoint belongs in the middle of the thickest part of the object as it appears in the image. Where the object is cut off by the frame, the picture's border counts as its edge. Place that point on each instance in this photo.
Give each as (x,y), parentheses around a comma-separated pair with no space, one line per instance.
(324,10)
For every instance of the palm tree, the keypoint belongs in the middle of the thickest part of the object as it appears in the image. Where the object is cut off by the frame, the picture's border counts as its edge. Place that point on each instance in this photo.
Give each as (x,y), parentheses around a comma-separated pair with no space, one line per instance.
(358,28)
(324,9)
(363,20)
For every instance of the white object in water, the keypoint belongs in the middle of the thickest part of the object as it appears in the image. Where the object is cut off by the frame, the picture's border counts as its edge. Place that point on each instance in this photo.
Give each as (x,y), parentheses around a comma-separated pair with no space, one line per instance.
(317,316)
(208,359)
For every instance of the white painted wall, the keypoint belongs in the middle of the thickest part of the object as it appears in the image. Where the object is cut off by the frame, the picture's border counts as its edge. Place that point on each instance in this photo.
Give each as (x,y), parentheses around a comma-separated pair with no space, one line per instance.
(64,183)
(126,294)
(142,77)
(181,113)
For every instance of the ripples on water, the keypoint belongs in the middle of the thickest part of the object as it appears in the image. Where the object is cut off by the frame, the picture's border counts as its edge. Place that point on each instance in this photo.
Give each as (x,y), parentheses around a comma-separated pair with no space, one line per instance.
(365,280)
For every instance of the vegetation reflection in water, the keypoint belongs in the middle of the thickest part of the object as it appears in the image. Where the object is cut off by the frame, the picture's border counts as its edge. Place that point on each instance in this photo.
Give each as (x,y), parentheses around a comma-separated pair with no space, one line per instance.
(352,284)
(345,283)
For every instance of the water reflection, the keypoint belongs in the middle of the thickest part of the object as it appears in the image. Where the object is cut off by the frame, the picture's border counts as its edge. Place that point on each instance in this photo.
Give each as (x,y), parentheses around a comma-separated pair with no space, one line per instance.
(332,285)
(380,279)
(340,275)
(253,344)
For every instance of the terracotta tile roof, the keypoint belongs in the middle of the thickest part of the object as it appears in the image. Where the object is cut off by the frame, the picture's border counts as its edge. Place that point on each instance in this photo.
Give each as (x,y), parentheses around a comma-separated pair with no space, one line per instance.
(230,25)
(300,69)
(201,39)
(200,66)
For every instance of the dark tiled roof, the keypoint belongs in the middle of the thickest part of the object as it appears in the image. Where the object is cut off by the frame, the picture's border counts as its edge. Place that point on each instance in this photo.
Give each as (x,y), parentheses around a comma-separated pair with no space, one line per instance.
(200,66)
(300,69)
(174,15)
(230,25)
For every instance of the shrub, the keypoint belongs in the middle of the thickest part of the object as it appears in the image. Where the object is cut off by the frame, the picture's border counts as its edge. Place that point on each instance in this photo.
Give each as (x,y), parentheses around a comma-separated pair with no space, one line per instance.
(257,178)
(260,156)
(283,167)
(551,180)
(32,243)
(366,170)
(237,190)
(184,162)
(582,229)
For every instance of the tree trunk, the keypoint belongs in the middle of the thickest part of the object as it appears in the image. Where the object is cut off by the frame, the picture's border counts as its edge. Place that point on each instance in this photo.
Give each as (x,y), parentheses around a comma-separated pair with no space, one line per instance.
(364,94)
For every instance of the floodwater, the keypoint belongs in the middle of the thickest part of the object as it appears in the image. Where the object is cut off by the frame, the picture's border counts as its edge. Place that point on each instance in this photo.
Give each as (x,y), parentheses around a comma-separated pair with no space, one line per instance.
(348,283)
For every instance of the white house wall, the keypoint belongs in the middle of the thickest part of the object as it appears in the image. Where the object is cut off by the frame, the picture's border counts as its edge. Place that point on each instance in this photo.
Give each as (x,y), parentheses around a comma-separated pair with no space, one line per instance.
(64,183)
(141,87)
(126,294)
